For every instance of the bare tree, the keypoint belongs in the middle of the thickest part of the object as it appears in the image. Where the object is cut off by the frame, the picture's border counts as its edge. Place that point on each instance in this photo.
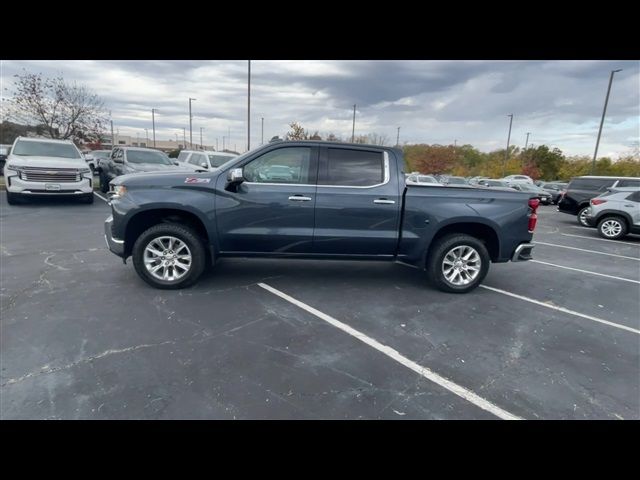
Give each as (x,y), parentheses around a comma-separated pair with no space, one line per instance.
(59,109)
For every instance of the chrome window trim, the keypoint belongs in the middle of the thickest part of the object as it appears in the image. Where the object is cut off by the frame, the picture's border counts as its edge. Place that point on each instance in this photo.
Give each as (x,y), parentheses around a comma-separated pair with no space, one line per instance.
(387,178)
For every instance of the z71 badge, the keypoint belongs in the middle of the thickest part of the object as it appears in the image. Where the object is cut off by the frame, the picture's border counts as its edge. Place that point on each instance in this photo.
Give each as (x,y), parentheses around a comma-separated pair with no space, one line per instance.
(197,180)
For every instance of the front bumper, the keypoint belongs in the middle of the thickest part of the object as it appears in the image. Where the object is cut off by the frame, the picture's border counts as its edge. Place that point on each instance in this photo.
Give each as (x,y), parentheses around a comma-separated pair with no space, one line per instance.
(114,244)
(15,185)
(523,252)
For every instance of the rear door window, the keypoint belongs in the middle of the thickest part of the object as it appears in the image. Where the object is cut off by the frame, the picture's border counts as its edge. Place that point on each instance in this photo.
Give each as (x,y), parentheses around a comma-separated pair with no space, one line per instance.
(355,168)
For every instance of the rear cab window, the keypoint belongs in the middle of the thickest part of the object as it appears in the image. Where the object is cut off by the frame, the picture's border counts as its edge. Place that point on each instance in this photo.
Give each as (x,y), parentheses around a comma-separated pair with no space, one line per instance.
(353,168)
(628,183)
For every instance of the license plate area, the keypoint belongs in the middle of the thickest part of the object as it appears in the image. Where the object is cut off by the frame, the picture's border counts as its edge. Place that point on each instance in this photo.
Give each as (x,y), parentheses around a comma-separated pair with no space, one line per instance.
(52,187)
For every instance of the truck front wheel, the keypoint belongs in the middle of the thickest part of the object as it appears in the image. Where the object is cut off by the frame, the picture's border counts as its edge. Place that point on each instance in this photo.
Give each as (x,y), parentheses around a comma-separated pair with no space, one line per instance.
(457,263)
(169,256)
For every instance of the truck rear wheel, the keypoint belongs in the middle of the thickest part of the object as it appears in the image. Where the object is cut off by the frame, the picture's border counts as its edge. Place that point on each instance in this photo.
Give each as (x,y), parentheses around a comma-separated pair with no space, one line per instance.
(169,256)
(457,263)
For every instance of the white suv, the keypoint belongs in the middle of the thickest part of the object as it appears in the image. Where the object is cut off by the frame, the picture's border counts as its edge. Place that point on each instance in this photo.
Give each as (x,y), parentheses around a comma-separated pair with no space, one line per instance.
(42,166)
(518,179)
(200,160)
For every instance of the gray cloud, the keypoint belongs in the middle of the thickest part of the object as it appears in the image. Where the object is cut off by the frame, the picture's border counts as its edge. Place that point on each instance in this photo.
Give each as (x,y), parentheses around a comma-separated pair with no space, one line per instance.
(559,102)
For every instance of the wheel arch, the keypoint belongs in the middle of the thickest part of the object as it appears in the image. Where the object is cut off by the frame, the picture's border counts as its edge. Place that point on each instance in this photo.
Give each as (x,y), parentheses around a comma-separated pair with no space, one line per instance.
(144,219)
(482,231)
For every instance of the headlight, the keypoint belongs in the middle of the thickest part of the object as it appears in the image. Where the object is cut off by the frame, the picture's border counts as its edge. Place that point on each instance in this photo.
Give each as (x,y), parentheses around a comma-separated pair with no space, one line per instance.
(85,170)
(117,191)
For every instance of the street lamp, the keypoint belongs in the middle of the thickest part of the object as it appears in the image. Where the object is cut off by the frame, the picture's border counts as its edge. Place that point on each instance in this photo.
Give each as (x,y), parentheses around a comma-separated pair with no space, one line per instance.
(153,119)
(190,126)
(353,128)
(604,111)
(506,153)
(201,147)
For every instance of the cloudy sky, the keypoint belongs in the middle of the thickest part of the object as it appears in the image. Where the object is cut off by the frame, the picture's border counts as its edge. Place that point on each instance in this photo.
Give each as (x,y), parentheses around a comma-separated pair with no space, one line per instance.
(559,102)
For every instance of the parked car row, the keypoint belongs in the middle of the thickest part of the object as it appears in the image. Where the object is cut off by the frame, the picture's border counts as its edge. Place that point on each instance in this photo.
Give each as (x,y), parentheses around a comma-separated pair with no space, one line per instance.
(42,166)
(580,191)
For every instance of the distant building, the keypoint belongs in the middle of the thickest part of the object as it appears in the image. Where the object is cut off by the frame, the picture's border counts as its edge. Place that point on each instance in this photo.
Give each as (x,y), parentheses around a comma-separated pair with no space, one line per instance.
(137,141)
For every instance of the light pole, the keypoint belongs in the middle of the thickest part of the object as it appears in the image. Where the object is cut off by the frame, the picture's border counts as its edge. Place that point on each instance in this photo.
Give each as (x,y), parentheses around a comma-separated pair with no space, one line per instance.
(184,138)
(262,131)
(506,152)
(249,107)
(526,144)
(229,138)
(604,112)
(201,147)
(353,128)
(190,126)
(398,138)
(153,119)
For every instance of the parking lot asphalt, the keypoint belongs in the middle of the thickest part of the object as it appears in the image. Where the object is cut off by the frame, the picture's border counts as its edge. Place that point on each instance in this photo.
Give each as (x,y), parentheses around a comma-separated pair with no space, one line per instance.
(83,337)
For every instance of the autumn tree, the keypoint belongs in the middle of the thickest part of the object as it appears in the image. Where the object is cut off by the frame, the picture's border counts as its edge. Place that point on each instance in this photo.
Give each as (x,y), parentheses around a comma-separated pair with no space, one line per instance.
(430,158)
(63,110)
(297,132)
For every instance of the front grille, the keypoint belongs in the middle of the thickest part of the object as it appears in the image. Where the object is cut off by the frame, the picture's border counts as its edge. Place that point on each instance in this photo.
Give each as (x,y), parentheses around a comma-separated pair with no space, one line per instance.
(57,175)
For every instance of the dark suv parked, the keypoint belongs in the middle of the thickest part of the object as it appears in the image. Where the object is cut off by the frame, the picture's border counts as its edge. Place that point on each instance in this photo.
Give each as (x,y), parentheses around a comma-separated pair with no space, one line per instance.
(582,189)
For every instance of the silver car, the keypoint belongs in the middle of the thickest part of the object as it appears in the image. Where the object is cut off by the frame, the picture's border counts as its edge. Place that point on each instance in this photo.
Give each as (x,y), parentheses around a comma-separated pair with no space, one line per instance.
(615,213)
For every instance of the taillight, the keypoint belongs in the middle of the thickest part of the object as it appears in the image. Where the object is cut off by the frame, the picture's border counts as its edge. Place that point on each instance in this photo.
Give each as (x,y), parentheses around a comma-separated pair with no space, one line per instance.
(597,201)
(533,216)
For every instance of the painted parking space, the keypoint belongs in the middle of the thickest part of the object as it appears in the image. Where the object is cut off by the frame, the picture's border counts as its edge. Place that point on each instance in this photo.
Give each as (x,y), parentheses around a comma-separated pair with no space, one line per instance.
(84,337)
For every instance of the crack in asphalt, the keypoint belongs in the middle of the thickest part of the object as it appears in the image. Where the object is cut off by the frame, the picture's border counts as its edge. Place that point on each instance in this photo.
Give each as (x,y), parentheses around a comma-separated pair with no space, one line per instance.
(47,369)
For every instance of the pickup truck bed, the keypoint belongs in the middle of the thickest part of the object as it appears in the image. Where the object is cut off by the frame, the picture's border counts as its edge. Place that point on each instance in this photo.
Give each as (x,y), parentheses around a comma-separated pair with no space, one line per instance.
(315,200)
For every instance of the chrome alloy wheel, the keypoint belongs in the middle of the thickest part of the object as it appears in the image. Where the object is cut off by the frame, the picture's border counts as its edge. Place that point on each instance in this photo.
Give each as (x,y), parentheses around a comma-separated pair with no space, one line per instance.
(461,265)
(611,228)
(167,258)
(583,217)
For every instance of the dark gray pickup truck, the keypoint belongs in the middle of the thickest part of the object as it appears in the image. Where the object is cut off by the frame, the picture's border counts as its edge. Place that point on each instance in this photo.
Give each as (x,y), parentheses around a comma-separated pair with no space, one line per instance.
(319,200)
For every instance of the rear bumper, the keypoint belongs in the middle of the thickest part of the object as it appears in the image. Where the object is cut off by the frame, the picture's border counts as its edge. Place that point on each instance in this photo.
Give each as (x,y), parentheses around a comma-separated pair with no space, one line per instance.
(114,244)
(522,252)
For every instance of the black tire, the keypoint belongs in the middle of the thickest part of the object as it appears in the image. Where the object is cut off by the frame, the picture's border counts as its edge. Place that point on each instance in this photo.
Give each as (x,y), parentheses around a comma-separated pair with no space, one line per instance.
(13,198)
(581,220)
(184,234)
(87,198)
(612,227)
(437,254)
(104,183)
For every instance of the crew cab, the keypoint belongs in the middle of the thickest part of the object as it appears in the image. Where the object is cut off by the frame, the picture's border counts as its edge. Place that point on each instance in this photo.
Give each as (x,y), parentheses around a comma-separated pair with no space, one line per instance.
(335,201)
(46,167)
(124,160)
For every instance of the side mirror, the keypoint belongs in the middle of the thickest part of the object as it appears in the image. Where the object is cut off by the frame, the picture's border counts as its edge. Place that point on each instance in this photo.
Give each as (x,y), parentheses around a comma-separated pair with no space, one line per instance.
(234,178)
(203,165)
(176,164)
(118,160)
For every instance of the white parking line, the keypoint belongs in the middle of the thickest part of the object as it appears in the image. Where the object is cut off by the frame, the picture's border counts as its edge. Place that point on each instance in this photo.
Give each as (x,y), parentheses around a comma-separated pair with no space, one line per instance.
(395,355)
(585,250)
(601,239)
(101,197)
(586,271)
(562,309)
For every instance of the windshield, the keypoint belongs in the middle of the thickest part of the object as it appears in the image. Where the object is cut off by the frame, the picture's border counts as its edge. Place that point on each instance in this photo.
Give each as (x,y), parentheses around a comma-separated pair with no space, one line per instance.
(218,160)
(456,181)
(426,179)
(46,149)
(101,153)
(142,156)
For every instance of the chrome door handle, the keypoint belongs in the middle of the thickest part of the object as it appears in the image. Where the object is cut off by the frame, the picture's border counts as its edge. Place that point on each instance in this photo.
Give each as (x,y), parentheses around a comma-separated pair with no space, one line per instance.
(384,201)
(299,198)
